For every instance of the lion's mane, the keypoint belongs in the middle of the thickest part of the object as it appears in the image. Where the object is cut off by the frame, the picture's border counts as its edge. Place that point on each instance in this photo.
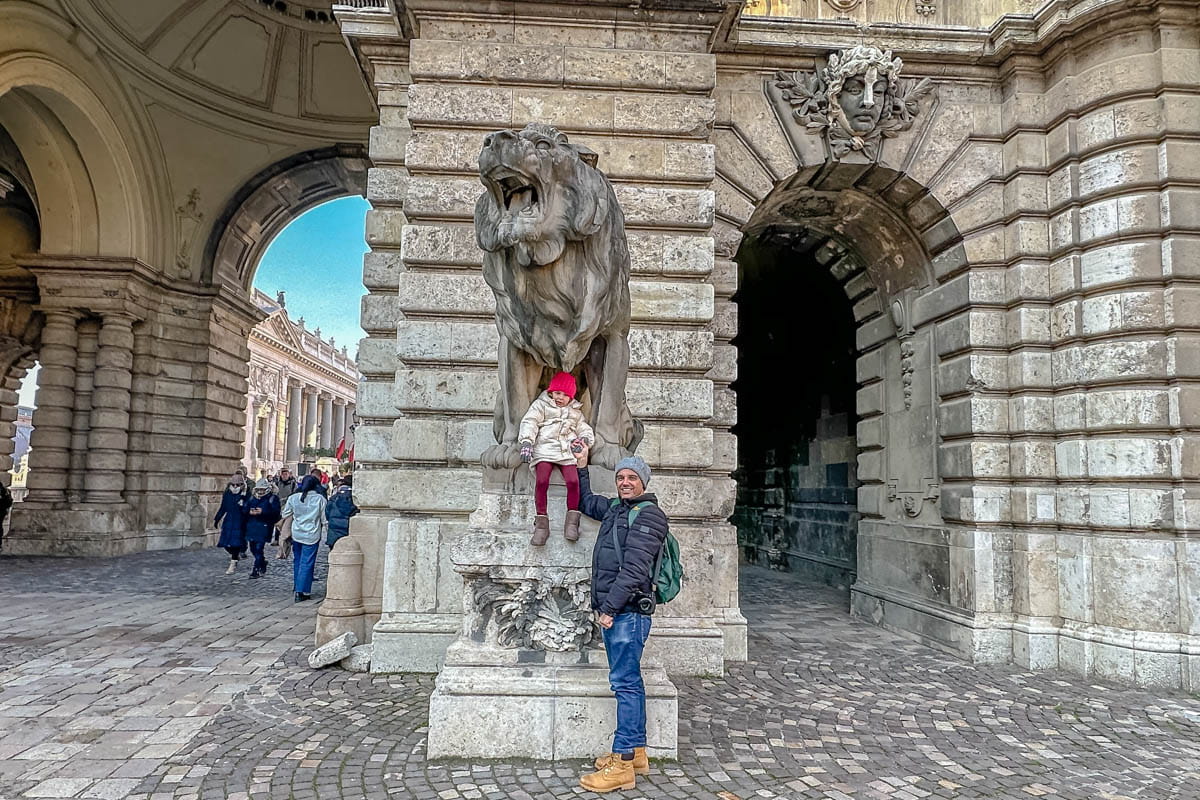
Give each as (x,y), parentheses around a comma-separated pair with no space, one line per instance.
(563,282)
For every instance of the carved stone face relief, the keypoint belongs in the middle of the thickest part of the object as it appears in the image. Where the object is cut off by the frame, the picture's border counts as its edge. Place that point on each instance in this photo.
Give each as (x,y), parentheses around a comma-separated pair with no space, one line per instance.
(861,101)
(855,102)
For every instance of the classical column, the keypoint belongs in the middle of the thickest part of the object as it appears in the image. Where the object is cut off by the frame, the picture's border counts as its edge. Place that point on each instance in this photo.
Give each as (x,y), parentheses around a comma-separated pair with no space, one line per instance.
(294,422)
(339,422)
(108,440)
(310,420)
(50,442)
(327,421)
(270,433)
(85,368)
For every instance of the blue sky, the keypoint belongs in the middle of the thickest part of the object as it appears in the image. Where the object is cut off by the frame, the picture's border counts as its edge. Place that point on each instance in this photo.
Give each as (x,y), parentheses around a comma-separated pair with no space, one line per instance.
(317,261)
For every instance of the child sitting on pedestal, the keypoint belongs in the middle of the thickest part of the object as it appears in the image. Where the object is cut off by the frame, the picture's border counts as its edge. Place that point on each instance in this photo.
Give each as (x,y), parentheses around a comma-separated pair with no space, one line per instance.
(552,432)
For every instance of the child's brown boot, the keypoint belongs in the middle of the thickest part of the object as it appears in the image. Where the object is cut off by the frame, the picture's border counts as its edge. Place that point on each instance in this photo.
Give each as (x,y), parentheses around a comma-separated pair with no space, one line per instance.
(541,530)
(571,527)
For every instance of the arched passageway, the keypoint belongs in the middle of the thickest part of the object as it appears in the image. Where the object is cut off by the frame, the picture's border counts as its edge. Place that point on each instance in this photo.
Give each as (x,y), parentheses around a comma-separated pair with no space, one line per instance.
(797,505)
(838,478)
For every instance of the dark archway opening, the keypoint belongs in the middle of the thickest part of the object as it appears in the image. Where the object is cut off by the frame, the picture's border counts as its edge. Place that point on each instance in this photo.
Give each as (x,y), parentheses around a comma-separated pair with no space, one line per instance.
(797,453)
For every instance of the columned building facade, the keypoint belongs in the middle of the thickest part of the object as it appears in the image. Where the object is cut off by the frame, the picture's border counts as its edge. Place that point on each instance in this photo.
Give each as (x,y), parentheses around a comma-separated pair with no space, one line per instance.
(301,392)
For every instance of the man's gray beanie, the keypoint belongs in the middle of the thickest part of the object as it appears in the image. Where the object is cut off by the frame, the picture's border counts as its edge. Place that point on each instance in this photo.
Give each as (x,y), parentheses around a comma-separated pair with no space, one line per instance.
(638,465)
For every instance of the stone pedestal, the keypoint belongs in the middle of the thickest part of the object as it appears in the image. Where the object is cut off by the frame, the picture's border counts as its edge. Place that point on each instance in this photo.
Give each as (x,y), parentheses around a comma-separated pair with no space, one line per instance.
(79,529)
(529,656)
(342,609)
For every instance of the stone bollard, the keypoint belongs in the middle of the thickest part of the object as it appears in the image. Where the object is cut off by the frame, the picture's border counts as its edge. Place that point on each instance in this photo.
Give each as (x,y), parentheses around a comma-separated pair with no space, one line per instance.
(342,609)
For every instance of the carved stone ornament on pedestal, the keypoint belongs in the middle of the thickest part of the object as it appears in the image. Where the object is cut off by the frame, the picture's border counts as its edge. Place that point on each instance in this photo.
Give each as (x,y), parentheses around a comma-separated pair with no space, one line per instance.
(855,102)
(546,609)
(555,255)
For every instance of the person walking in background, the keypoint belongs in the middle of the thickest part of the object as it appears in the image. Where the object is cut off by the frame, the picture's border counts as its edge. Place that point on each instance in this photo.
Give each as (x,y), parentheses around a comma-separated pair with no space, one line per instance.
(262,512)
(321,477)
(285,487)
(339,511)
(6,503)
(304,521)
(231,518)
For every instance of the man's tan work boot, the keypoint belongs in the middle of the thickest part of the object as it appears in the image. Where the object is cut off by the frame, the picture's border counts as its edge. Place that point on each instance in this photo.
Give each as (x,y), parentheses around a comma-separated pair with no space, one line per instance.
(616,774)
(541,530)
(571,527)
(641,764)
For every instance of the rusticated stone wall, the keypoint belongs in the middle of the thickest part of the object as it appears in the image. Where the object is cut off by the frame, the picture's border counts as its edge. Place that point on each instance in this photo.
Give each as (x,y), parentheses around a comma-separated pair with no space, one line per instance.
(1019,263)
(637,92)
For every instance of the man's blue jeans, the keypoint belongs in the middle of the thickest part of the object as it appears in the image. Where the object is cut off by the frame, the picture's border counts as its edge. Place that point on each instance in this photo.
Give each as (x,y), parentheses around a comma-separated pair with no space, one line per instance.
(303,566)
(623,643)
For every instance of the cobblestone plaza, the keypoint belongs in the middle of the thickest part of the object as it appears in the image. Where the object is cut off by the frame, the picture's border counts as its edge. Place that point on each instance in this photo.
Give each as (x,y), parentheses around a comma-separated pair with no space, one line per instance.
(162,678)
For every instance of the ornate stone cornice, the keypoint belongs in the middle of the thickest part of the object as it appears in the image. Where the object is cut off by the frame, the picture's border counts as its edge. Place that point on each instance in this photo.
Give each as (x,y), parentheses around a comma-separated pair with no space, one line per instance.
(800,40)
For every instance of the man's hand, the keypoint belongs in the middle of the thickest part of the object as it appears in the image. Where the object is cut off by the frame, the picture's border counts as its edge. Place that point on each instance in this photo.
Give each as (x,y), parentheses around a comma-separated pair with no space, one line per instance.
(581,458)
(605,621)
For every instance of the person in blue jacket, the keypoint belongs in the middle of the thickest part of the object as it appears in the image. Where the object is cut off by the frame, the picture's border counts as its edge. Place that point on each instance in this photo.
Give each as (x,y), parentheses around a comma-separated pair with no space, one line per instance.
(262,512)
(339,510)
(231,518)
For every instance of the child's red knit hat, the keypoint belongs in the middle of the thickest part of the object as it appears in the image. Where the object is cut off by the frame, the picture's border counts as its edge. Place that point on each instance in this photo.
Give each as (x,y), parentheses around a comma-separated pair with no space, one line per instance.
(563,382)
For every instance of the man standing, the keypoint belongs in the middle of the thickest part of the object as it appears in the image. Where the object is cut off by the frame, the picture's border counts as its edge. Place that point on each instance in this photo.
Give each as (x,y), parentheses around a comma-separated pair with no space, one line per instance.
(622,563)
(285,485)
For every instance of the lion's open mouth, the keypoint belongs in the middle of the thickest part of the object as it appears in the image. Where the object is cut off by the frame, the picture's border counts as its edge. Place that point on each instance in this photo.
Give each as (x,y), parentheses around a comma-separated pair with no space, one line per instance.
(519,197)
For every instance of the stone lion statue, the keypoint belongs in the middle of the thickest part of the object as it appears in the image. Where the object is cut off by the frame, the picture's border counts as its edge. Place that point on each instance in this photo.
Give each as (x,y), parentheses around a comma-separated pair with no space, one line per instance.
(556,258)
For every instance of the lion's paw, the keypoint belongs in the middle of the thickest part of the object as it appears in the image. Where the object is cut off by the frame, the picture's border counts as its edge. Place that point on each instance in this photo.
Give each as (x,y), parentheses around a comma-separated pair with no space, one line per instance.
(607,455)
(502,456)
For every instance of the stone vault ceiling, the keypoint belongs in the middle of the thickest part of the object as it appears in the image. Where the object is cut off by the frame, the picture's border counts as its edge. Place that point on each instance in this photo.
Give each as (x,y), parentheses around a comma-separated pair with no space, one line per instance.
(268,59)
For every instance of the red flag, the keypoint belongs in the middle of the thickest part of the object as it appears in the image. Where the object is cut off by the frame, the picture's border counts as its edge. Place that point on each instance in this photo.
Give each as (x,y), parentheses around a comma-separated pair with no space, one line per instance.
(341,449)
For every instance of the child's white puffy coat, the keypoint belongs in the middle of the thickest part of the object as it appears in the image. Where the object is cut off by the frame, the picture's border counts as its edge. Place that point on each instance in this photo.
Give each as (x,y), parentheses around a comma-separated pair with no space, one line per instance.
(552,429)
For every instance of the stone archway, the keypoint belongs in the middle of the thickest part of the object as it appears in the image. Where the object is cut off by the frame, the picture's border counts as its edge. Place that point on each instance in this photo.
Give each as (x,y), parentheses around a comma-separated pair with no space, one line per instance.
(888,244)
(268,202)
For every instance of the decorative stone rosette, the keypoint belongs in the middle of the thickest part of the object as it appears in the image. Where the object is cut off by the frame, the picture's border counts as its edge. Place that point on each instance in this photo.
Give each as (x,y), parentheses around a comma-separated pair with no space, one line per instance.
(543,608)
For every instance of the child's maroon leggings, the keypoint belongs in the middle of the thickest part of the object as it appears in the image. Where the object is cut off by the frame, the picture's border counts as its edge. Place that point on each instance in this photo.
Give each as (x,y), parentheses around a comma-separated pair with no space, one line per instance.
(570,474)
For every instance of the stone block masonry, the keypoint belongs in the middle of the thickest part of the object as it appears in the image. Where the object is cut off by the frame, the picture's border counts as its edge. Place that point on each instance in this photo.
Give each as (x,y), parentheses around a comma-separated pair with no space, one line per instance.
(1018,264)
(647,112)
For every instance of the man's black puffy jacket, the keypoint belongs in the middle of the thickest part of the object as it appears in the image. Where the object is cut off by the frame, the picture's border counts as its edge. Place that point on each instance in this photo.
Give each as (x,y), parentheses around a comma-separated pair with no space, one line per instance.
(614,583)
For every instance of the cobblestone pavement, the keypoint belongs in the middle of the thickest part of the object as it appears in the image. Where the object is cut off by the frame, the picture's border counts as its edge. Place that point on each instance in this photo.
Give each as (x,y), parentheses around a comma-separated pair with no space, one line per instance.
(156,677)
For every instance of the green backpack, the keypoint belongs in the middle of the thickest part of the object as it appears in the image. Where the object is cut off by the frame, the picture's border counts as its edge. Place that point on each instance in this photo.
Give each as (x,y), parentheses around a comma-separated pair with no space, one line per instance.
(668,567)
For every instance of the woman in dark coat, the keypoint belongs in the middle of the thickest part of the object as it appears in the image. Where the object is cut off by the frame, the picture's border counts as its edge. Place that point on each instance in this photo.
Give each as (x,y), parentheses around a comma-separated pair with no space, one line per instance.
(231,518)
(339,511)
(262,512)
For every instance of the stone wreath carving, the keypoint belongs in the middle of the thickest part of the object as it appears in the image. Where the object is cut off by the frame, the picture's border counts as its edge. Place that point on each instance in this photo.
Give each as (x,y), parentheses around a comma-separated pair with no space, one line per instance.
(533,613)
(556,258)
(855,102)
